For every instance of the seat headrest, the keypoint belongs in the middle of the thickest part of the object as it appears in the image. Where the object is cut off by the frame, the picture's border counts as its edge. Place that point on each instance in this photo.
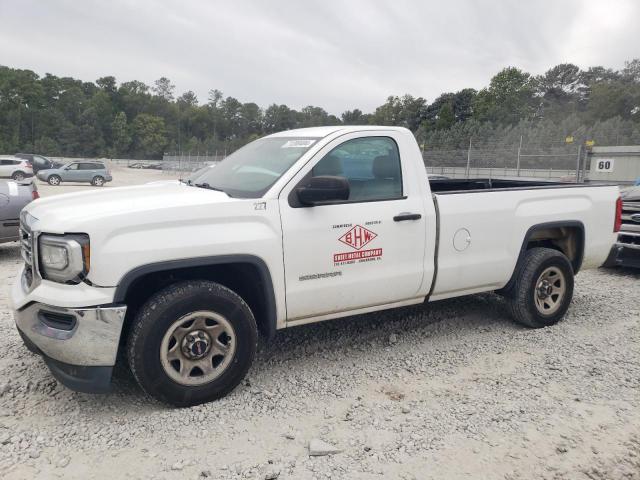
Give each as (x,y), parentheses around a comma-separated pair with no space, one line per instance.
(330,165)
(385,166)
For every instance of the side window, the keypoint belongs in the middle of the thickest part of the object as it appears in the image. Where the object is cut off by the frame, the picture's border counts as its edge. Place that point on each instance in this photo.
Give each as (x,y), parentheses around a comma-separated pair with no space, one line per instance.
(4,162)
(73,166)
(371,165)
(85,166)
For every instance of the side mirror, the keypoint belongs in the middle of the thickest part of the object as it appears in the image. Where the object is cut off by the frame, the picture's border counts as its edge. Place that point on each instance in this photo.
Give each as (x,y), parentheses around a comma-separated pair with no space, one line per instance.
(323,189)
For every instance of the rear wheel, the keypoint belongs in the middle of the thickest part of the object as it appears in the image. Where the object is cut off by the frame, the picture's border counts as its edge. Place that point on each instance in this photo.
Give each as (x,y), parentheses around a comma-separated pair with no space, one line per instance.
(543,288)
(54,180)
(97,181)
(191,343)
(18,176)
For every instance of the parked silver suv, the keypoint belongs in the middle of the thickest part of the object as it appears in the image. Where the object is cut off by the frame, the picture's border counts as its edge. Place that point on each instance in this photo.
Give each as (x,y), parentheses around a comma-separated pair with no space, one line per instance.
(93,172)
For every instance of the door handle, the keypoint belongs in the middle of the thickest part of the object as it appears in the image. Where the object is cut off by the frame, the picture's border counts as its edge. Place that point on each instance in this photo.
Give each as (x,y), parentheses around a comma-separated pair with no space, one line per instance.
(407,216)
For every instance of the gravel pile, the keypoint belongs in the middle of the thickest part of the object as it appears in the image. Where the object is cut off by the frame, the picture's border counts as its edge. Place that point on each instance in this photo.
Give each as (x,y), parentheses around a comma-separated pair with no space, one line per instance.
(449,390)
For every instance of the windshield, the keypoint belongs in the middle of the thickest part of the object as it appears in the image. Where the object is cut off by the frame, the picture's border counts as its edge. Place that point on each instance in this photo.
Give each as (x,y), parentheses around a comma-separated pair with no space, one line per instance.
(195,176)
(252,170)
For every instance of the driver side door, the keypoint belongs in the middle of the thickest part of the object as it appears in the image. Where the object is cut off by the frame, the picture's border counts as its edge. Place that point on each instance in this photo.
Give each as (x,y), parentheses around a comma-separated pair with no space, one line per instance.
(360,252)
(71,173)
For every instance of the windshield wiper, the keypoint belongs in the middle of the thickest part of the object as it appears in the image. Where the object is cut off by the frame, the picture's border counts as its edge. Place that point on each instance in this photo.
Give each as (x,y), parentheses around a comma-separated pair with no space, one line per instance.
(207,186)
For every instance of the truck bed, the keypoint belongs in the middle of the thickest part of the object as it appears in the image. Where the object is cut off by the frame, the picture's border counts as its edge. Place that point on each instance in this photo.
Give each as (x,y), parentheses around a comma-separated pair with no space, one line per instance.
(484,222)
(468,185)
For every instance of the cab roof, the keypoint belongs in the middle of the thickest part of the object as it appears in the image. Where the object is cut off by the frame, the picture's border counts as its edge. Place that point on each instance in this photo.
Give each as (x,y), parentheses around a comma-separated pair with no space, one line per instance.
(321,132)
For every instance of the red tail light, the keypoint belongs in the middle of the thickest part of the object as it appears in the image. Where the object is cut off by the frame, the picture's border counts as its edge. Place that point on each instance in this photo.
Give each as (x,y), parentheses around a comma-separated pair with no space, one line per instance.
(35,195)
(617,223)
(29,164)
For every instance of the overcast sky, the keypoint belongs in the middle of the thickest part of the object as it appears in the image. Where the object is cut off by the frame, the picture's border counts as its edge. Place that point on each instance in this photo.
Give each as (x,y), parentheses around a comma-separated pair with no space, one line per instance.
(335,54)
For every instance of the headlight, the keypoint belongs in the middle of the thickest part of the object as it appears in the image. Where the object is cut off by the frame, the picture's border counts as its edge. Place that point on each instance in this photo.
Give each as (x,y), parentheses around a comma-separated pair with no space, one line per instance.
(27,219)
(64,258)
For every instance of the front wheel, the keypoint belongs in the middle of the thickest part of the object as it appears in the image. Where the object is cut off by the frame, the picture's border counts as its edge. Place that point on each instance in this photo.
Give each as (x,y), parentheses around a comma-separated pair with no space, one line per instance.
(191,343)
(543,288)
(97,181)
(54,180)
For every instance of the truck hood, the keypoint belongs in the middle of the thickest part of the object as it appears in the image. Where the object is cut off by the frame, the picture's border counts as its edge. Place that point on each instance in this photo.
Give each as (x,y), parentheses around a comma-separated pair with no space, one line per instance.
(75,211)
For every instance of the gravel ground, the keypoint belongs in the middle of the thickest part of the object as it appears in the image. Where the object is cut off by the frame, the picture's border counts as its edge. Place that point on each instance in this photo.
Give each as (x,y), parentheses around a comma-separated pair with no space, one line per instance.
(448,390)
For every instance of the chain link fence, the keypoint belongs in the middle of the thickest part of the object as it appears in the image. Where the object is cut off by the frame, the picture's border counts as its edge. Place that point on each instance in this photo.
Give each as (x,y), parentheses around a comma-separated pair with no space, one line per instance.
(565,162)
(478,160)
(187,162)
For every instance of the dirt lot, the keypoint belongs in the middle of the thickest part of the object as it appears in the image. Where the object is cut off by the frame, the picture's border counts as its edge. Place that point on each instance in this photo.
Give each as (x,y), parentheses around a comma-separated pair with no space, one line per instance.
(449,390)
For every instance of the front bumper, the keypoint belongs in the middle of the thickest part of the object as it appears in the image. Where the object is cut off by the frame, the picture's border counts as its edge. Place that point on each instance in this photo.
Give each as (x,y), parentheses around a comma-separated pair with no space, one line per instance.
(78,344)
(78,378)
(623,255)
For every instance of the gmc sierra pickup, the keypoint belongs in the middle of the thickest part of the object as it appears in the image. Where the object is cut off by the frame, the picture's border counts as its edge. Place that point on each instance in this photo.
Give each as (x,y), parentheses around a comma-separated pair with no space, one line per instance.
(297,227)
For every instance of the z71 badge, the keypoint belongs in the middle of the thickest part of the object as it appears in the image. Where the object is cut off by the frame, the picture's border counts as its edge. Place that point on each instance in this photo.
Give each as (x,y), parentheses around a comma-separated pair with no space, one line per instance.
(357,237)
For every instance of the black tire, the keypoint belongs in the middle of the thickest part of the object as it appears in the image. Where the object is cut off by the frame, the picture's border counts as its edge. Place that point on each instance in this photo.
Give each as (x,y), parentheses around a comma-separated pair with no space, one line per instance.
(18,176)
(97,181)
(157,317)
(54,180)
(527,288)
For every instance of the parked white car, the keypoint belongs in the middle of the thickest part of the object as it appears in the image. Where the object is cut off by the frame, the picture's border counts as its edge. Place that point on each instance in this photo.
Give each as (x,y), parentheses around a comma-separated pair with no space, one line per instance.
(15,168)
(297,227)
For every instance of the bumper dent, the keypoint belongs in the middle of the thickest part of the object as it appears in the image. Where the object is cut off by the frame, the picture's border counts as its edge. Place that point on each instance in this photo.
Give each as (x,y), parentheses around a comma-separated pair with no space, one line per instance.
(91,341)
(78,378)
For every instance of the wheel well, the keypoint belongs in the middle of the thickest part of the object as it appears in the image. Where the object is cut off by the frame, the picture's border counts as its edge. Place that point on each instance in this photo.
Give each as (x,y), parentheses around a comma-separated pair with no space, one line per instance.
(245,279)
(566,239)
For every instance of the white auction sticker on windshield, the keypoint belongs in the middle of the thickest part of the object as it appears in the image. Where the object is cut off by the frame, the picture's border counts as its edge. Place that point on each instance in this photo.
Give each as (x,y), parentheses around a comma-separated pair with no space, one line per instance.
(298,144)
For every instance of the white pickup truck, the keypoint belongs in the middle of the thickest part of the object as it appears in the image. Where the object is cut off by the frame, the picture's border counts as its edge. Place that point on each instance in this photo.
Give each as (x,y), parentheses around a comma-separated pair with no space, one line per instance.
(297,227)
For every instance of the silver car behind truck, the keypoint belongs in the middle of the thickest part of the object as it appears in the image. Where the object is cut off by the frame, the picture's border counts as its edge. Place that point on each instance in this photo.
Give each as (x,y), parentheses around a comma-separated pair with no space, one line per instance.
(14,196)
(94,172)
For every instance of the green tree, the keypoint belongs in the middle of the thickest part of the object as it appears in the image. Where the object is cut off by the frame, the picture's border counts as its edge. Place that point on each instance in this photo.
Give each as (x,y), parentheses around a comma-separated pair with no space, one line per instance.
(509,97)
(164,88)
(608,100)
(91,140)
(463,104)
(355,117)
(188,99)
(406,111)
(107,84)
(560,90)
(149,135)
(445,117)
(278,118)
(120,134)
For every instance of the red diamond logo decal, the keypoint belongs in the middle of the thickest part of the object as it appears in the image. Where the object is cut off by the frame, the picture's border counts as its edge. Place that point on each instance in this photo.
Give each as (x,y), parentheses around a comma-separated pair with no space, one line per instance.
(357,237)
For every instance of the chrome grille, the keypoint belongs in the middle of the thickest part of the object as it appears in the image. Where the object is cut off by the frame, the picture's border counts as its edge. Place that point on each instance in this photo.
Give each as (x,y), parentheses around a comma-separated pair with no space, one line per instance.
(26,247)
(629,234)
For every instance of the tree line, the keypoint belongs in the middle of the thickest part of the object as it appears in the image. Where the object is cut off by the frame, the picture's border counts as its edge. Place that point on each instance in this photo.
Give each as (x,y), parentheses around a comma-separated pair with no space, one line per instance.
(63,116)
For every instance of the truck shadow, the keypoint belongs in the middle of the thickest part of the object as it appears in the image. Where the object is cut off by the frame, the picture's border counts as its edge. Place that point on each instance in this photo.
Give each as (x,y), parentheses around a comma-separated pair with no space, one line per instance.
(623,271)
(345,338)
(424,320)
